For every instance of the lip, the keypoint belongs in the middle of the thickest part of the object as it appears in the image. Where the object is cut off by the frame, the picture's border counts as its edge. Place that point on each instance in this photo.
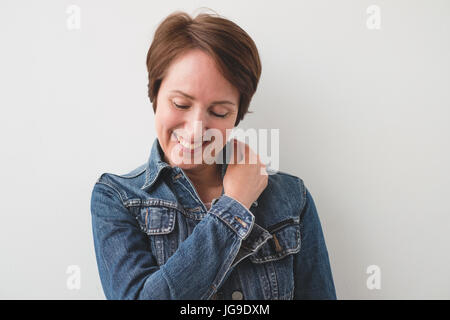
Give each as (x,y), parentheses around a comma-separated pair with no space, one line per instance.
(188,150)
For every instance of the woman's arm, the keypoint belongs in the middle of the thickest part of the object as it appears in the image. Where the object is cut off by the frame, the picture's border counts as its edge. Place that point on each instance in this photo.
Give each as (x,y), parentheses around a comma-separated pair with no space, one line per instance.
(128,269)
(312,272)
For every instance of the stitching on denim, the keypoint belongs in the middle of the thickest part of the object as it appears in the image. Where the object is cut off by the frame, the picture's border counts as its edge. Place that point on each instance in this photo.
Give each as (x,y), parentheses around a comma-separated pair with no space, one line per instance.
(227,223)
(251,252)
(125,176)
(287,296)
(223,270)
(281,254)
(147,176)
(302,193)
(153,203)
(143,228)
(273,280)
(241,286)
(197,216)
(195,196)
(263,278)
(168,280)
(282,224)
(284,173)
(192,195)
(112,187)
(167,230)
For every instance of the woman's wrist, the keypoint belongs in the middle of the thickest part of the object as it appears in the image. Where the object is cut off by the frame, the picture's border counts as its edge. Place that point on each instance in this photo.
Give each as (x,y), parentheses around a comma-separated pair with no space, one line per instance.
(244,203)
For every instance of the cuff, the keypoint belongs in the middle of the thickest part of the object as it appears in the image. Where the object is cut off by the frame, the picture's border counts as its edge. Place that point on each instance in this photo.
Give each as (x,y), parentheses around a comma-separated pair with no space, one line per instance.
(234,214)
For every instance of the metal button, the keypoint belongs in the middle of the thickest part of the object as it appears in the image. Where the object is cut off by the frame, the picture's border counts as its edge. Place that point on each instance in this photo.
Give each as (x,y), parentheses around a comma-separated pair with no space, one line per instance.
(237,295)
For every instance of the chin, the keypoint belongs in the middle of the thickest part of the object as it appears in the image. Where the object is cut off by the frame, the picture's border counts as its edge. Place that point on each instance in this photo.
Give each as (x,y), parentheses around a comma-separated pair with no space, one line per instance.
(189,167)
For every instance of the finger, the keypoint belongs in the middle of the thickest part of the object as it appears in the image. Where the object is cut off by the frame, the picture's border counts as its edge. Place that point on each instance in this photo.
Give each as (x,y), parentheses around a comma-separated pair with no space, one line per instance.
(239,151)
(251,157)
(246,154)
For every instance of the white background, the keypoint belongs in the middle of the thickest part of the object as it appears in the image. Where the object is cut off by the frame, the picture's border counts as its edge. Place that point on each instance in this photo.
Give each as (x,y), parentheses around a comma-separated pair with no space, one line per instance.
(363,117)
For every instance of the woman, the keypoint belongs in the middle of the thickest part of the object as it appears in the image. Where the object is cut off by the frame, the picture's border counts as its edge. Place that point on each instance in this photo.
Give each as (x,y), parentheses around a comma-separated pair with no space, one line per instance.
(175,228)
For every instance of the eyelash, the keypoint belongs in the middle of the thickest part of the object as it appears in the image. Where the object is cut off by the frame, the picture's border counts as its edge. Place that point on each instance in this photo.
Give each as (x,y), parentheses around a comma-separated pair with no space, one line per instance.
(213,113)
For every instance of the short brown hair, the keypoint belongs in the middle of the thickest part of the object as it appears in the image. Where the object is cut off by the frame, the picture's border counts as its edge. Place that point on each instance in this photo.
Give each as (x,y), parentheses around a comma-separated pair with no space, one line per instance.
(232,49)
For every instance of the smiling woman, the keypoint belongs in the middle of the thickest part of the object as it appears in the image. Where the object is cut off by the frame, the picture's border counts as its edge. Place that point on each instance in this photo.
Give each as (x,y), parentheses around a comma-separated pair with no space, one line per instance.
(232,50)
(177,229)
(204,100)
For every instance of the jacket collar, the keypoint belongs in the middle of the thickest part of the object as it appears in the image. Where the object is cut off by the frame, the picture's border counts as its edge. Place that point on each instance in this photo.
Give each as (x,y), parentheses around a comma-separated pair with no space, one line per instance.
(156,164)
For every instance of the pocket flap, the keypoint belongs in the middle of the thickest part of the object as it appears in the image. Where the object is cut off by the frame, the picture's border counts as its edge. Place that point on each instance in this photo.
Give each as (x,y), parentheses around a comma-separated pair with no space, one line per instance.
(158,220)
(285,240)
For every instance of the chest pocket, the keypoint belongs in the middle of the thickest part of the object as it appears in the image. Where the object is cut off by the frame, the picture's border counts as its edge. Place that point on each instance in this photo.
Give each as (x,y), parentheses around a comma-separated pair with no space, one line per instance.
(285,241)
(274,261)
(159,223)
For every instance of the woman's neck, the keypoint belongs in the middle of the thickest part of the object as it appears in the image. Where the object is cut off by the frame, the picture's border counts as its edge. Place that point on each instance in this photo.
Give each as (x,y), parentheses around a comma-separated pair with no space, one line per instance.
(205,175)
(207,180)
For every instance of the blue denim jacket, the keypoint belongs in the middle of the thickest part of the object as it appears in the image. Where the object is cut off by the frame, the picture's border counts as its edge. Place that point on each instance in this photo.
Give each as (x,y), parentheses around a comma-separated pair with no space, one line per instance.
(155,239)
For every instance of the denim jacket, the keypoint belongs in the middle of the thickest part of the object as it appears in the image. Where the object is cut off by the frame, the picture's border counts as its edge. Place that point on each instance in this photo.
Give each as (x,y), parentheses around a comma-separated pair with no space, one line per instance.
(155,239)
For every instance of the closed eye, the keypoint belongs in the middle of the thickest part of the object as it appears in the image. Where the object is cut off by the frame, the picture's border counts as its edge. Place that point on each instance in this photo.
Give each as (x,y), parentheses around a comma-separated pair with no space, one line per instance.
(218,115)
(181,107)
(212,112)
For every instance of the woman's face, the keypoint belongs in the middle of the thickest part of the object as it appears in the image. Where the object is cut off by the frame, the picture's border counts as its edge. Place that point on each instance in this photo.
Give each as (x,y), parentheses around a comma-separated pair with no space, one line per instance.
(194,97)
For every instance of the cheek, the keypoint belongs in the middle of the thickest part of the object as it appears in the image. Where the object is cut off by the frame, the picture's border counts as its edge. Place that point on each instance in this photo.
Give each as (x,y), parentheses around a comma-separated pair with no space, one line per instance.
(223,133)
(159,125)
(165,121)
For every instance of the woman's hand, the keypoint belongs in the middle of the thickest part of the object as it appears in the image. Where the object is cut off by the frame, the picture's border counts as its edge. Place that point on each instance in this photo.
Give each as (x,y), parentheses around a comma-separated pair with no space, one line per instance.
(246,177)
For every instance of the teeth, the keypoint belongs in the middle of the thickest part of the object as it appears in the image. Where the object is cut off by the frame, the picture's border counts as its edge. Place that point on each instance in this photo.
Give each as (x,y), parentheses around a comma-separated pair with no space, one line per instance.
(188,145)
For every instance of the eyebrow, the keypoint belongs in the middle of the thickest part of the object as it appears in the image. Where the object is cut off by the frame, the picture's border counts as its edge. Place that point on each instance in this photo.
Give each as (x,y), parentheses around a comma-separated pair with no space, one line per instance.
(192,98)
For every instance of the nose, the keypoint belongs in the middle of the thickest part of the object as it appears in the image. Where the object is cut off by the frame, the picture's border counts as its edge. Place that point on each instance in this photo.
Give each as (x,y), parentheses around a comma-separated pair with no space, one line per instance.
(195,126)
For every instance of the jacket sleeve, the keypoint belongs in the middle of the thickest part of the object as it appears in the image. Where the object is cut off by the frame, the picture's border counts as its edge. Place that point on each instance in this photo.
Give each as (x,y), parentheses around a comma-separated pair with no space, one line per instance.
(128,269)
(312,272)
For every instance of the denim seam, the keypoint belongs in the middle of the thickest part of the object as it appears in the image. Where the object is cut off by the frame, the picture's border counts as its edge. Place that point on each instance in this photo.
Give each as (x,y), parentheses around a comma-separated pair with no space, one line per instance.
(187,189)
(235,230)
(264,282)
(152,203)
(283,224)
(198,217)
(276,257)
(167,278)
(287,296)
(251,252)
(195,196)
(280,255)
(147,183)
(240,283)
(112,187)
(302,193)
(223,270)
(273,280)
(162,231)
(219,214)
(129,177)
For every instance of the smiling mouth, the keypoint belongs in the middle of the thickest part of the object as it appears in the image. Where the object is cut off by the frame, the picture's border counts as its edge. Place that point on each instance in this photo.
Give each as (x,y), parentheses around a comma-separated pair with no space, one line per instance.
(187,146)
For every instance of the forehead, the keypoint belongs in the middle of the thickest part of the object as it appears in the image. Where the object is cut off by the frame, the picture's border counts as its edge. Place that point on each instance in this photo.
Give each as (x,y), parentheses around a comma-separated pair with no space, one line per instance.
(196,73)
